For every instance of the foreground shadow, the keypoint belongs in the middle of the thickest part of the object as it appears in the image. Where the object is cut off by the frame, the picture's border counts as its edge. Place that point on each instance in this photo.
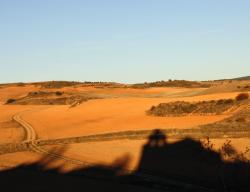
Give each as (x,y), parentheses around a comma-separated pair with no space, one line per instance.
(189,161)
(185,165)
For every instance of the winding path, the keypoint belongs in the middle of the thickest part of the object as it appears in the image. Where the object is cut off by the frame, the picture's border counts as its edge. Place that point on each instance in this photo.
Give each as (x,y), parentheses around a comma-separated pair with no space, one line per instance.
(30,134)
(31,140)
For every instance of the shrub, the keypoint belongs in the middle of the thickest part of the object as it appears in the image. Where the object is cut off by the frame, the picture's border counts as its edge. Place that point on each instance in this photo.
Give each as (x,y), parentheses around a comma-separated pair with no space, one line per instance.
(225,101)
(10,101)
(58,93)
(242,96)
(228,101)
(20,84)
(32,93)
(247,87)
(228,152)
(58,84)
(240,119)
(220,102)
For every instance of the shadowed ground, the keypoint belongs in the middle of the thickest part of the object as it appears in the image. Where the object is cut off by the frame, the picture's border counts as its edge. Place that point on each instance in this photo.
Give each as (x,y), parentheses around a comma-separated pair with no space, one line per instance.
(182,166)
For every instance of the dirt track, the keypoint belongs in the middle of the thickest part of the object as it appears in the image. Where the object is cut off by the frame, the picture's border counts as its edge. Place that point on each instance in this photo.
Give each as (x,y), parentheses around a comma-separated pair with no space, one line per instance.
(30,140)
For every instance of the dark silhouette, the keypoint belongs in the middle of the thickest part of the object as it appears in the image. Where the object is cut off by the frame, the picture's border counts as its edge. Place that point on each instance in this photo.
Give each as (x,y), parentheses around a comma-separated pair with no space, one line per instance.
(188,161)
(185,165)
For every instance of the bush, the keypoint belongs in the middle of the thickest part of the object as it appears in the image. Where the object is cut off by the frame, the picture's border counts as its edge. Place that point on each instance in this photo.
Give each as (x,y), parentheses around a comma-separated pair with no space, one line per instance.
(20,84)
(58,93)
(220,102)
(242,96)
(10,101)
(32,93)
(247,87)
(240,120)
(58,84)
(225,101)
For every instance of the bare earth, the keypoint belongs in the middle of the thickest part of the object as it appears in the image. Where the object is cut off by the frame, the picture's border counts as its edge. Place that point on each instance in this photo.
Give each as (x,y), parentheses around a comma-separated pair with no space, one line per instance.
(107,115)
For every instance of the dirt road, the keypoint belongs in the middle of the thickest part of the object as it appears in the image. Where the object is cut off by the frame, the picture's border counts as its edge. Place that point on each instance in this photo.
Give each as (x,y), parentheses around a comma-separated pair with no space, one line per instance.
(31,140)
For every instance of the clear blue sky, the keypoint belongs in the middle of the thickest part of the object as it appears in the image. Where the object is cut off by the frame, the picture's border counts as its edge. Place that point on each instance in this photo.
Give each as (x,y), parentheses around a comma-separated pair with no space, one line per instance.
(123,40)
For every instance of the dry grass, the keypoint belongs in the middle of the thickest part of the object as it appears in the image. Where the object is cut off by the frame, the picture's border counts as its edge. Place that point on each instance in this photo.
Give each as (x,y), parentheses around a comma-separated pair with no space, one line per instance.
(227,151)
(13,147)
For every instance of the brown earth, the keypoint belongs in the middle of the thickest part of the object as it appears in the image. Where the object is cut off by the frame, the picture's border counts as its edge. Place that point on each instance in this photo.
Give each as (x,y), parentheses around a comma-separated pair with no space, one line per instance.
(9,130)
(120,109)
(114,115)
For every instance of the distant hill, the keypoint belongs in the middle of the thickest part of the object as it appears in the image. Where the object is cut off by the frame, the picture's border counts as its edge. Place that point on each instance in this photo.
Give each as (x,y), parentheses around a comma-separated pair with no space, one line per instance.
(242,78)
(238,78)
(172,83)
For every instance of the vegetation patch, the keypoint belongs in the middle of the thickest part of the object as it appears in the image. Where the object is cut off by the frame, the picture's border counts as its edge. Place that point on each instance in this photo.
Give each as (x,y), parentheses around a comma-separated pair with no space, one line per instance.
(52,101)
(247,87)
(227,151)
(238,121)
(242,96)
(13,147)
(49,98)
(44,94)
(62,84)
(173,83)
(57,84)
(180,108)
(9,101)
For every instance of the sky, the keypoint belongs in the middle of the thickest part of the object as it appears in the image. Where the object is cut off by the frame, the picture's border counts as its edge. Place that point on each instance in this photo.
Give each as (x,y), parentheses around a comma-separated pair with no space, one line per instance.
(123,40)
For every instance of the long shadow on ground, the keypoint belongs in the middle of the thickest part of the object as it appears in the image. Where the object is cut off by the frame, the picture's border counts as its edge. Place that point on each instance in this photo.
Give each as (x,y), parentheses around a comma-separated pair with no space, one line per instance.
(182,166)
